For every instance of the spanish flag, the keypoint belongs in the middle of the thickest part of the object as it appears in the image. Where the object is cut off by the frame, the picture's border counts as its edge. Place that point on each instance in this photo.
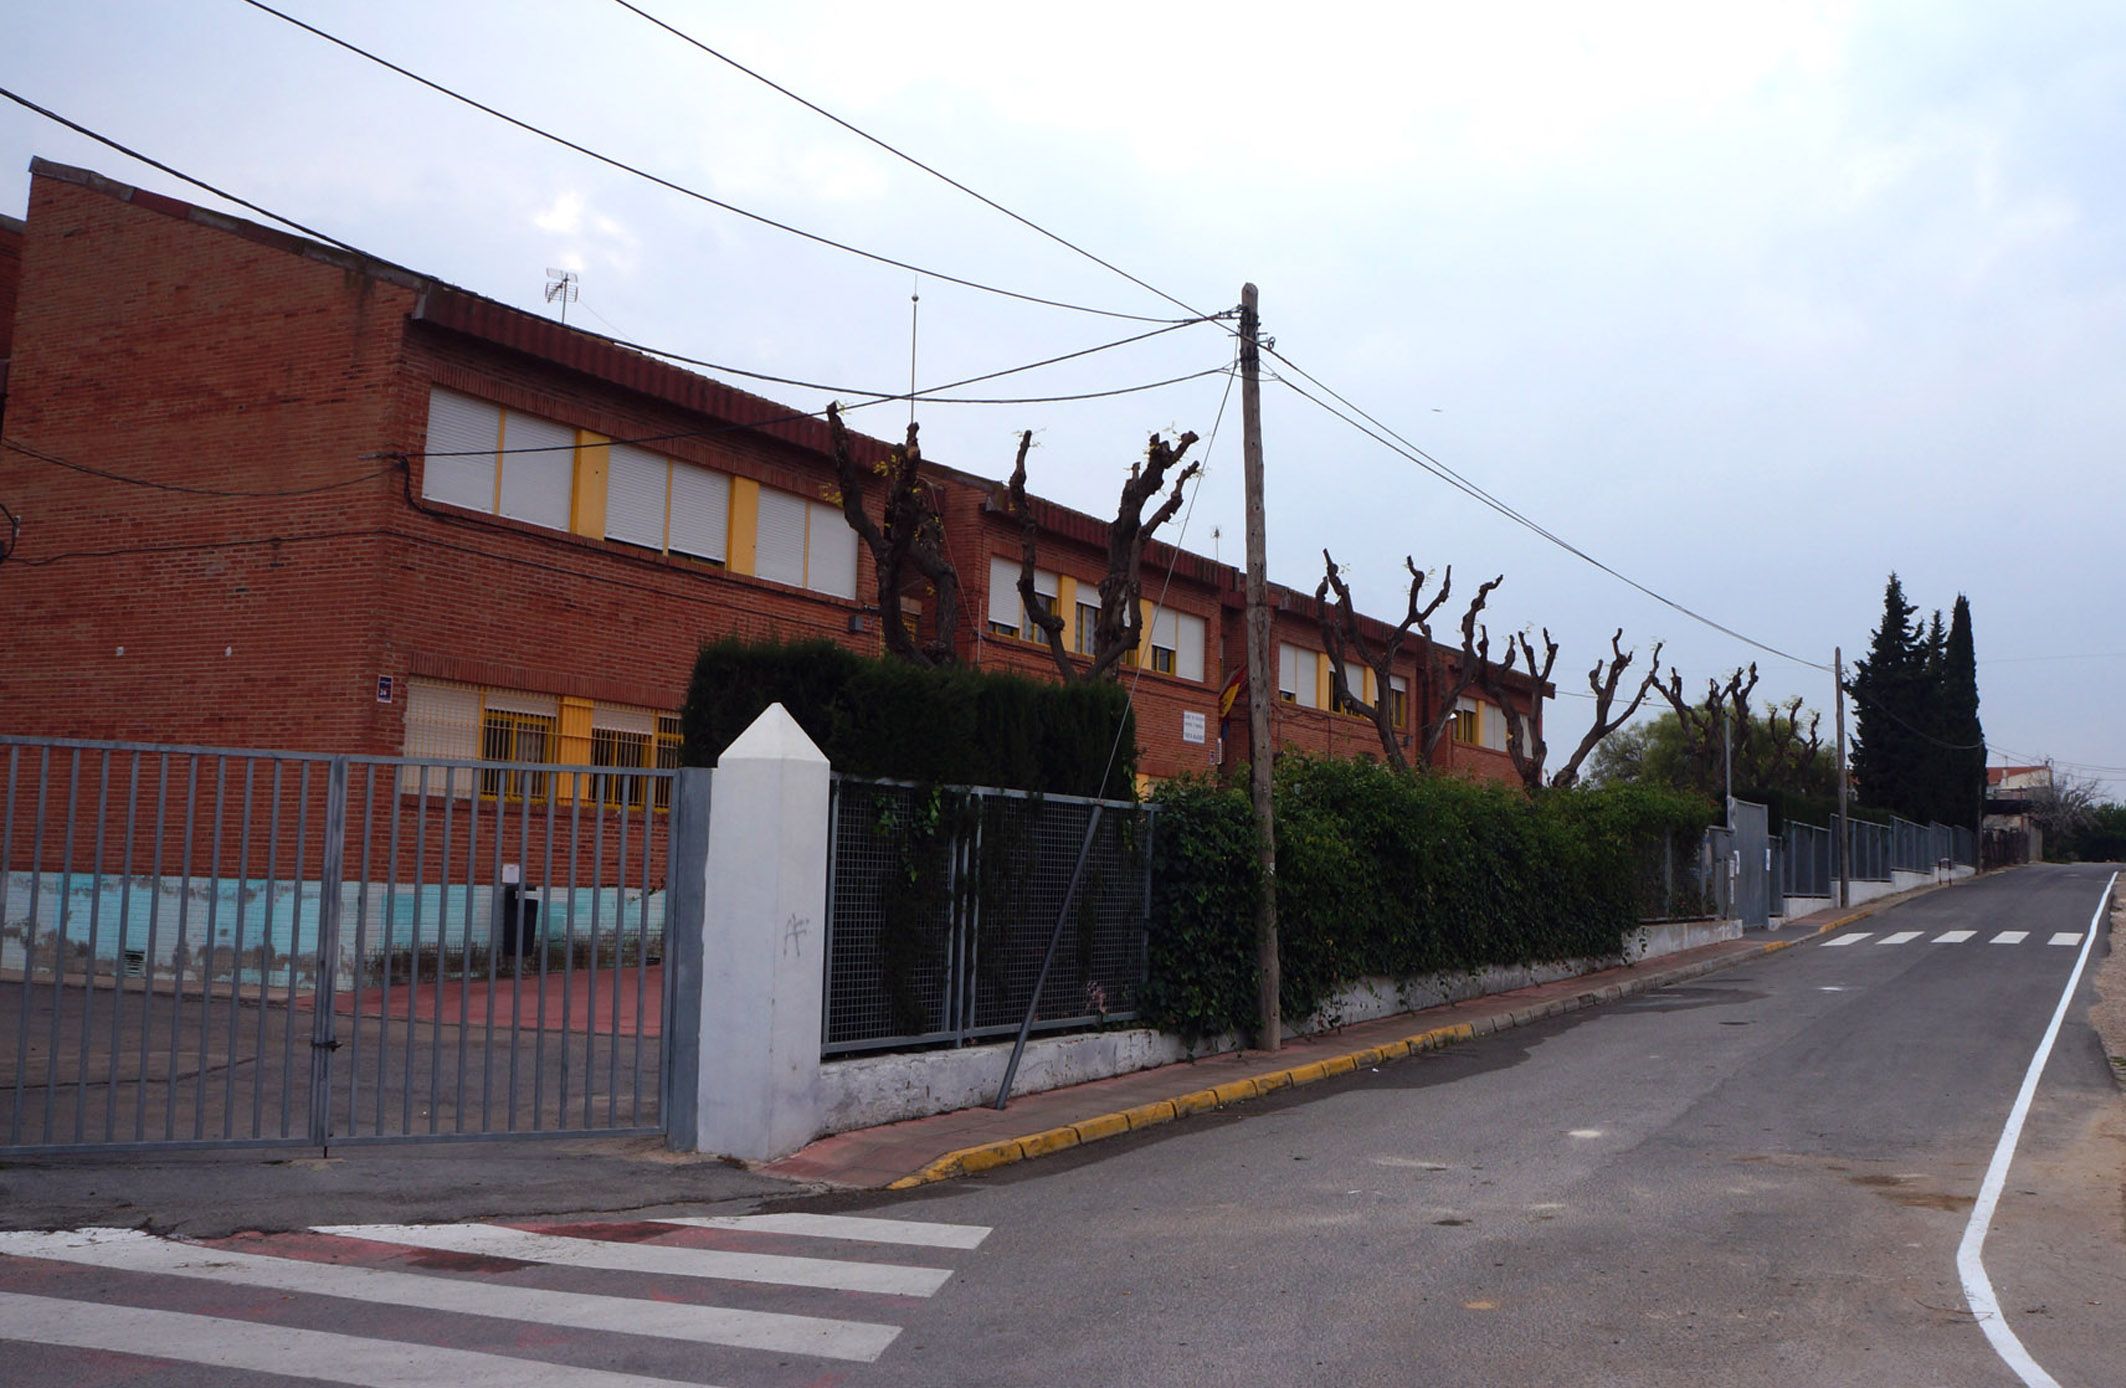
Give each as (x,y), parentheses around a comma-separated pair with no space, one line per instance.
(1231,692)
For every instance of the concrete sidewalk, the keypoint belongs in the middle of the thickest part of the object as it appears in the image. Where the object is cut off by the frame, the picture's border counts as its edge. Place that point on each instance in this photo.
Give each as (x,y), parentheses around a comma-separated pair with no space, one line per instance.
(920,1150)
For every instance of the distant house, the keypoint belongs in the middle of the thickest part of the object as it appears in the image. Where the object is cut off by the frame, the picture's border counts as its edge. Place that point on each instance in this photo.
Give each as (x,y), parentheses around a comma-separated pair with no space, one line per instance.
(2011,792)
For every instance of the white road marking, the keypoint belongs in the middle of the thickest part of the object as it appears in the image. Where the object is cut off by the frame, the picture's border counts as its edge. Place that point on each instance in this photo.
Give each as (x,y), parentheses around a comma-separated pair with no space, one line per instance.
(1978,1288)
(2011,937)
(131,1250)
(913,1232)
(1585,1132)
(1899,938)
(1853,939)
(2067,937)
(1953,937)
(264,1348)
(494,1241)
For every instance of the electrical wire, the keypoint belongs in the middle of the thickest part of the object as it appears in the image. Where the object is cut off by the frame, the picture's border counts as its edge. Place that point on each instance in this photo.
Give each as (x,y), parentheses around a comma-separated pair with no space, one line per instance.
(182,177)
(925,395)
(906,157)
(16,446)
(680,188)
(1395,444)
(929,396)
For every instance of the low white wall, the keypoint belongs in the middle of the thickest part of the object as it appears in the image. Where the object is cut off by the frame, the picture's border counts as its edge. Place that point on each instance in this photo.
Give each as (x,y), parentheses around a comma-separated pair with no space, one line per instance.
(864,1091)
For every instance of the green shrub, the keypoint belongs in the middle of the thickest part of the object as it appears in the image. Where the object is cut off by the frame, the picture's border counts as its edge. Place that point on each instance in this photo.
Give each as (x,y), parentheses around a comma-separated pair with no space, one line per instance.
(1380,873)
(887,718)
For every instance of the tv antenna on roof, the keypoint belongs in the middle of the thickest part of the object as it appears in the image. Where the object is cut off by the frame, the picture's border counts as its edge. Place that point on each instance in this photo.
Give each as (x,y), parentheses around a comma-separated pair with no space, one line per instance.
(561,288)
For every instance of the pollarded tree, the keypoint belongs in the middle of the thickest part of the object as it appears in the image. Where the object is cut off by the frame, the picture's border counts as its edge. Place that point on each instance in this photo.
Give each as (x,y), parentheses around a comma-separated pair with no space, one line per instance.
(1342,633)
(907,545)
(1527,748)
(1119,629)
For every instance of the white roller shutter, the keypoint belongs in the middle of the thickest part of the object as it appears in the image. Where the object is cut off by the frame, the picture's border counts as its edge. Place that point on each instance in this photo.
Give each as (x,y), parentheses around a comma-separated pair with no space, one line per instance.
(536,486)
(831,553)
(1005,609)
(701,512)
(624,718)
(513,701)
(1355,679)
(634,496)
(1188,647)
(459,425)
(1288,670)
(781,552)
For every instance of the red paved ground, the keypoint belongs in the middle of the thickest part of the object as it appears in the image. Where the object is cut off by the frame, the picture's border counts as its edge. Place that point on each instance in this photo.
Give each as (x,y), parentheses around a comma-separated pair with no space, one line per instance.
(457,1001)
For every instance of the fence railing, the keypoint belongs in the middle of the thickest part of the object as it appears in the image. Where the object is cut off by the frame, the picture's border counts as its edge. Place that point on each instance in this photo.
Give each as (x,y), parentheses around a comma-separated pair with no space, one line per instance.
(941,902)
(1808,865)
(212,945)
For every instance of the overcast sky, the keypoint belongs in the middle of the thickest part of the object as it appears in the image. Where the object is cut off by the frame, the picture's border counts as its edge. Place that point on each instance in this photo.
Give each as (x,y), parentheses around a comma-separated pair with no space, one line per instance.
(1754,307)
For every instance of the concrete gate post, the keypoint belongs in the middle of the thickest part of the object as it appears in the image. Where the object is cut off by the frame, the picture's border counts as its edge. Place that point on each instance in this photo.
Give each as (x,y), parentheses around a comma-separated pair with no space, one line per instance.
(763,946)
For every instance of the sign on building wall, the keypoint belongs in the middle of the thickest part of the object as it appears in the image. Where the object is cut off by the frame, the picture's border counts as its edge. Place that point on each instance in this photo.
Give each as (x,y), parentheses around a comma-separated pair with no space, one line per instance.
(1192,726)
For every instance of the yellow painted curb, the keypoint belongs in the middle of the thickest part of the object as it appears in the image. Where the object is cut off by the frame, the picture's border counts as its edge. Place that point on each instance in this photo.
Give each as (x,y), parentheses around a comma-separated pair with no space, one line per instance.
(1235,1091)
(1307,1074)
(1053,1140)
(1149,1115)
(1338,1065)
(987,1156)
(1202,1101)
(1104,1126)
(1270,1083)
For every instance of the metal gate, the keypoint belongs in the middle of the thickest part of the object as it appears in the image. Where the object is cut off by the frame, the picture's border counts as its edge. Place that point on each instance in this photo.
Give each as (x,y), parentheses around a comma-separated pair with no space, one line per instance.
(215,947)
(1753,862)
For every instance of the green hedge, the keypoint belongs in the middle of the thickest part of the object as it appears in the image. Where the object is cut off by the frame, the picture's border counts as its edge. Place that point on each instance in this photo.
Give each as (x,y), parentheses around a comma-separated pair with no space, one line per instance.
(1380,873)
(887,718)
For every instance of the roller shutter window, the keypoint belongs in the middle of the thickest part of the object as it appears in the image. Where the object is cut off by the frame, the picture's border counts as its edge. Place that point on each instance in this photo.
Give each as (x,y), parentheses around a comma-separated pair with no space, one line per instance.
(701,512)
(781,552)
(1399,701)
(830,563)
(463,434)
(1006,615)
(1355,679)
(1189,640)
(1289,686)
(634,496)
(442,724)
(538,485)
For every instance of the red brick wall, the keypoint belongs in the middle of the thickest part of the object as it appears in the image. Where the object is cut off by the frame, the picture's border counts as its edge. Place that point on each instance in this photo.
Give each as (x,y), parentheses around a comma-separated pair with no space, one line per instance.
(157,347)
(157,342)
(10,279)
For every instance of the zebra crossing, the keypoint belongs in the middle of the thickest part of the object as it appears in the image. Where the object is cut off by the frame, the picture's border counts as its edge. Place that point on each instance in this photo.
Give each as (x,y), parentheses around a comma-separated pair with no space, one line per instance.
(1950,937)
(599,1304)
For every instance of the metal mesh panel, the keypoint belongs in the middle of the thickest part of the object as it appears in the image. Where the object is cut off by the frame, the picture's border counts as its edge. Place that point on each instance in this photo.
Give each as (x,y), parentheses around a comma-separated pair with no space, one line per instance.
(1807,863)
(942,903)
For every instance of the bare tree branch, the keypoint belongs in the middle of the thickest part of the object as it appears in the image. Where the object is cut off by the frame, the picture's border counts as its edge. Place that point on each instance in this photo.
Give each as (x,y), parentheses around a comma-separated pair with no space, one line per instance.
(1468,669)
(912,536)
(1604,684)
(1119,629)
(1340,625)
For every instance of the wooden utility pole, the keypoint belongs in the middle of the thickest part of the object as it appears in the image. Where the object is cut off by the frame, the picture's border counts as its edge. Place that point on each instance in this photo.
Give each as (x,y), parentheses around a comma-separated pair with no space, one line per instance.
(1845,829)
(1269,1012)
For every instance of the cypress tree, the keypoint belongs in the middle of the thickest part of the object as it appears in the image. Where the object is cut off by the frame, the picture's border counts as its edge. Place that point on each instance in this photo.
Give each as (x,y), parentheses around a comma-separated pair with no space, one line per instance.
(1966,781)
(1886,688)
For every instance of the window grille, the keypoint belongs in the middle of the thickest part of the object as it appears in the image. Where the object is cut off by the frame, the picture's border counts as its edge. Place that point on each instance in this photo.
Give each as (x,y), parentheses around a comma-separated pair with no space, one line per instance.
(509,736)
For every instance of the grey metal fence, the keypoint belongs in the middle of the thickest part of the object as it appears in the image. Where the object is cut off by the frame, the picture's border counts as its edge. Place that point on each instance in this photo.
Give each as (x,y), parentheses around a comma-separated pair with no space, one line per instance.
(1871,850)
(941,903)
(208,946)
(1679,880)
(1806,864)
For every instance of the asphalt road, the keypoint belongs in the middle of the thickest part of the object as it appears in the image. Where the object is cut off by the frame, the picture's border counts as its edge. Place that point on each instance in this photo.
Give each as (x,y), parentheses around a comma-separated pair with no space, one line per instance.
(1760,1177)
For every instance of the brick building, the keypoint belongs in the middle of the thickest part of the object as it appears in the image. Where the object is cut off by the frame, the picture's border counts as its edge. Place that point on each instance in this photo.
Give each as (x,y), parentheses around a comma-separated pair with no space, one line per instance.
(383,515)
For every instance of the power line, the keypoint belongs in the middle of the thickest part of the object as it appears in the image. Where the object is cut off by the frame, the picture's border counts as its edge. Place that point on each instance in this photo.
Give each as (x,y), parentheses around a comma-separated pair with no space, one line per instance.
(906,157)
(682,189)
(17,446)
(1381,435)
(794,415)
(182,177)
(930,395)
